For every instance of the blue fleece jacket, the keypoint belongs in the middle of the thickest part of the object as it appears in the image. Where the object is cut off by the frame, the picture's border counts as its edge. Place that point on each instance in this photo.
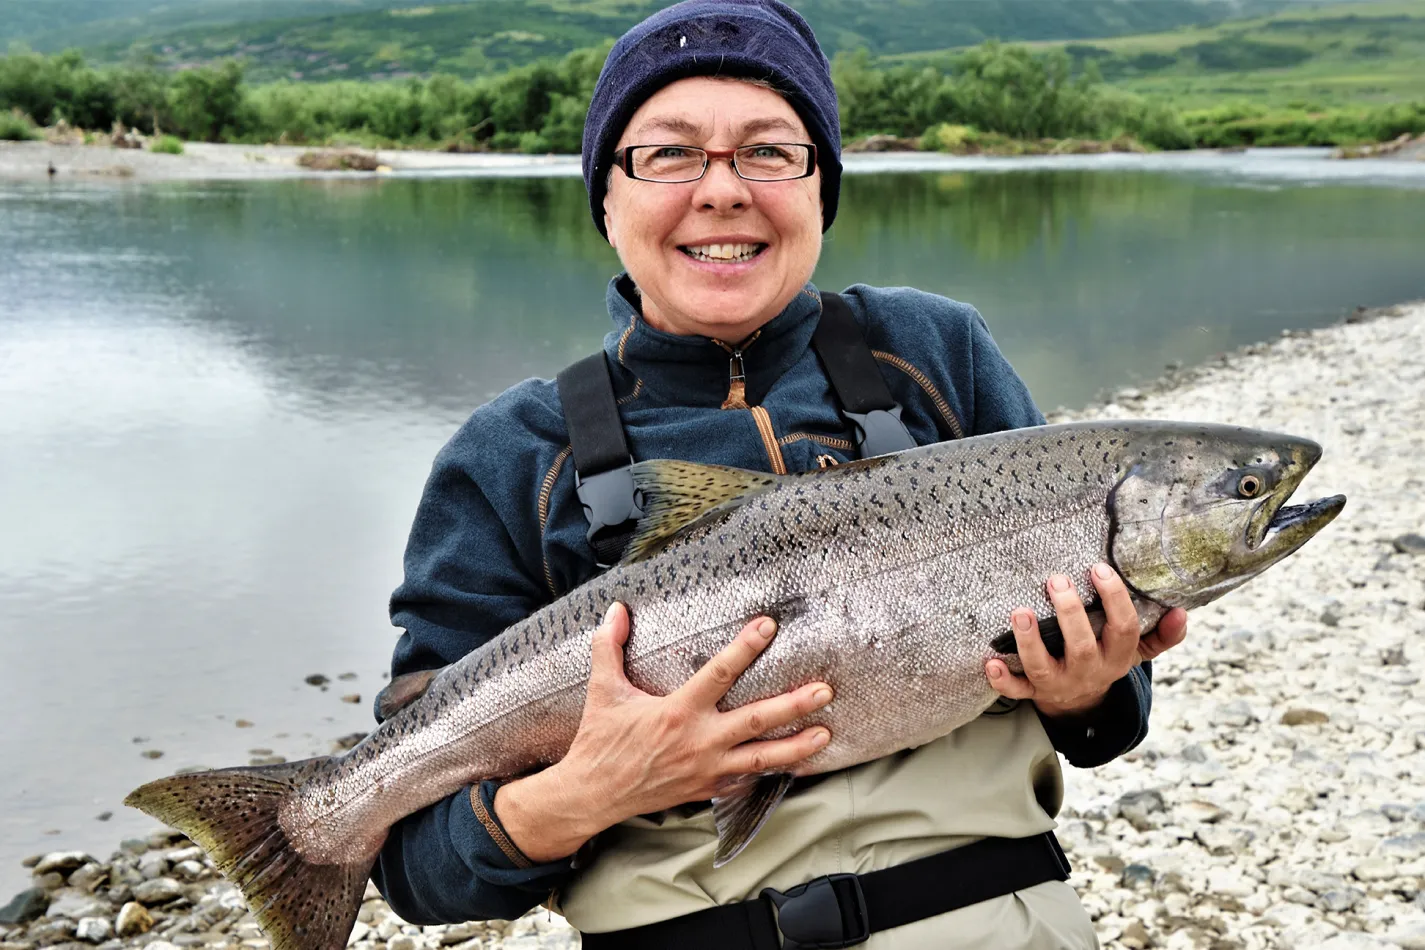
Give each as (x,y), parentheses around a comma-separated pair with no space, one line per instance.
(500,533)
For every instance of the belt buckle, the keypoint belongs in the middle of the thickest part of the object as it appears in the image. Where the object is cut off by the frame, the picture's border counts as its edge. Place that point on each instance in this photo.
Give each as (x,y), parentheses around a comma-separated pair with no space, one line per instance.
(827,913)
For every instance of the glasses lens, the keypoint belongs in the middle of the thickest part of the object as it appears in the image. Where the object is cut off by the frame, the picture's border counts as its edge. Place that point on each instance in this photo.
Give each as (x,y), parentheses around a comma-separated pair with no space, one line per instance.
(772,162)
(668,163)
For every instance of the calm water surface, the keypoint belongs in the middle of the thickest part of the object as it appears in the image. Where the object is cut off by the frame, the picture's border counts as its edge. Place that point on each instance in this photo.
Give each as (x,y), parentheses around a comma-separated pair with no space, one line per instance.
(218,404)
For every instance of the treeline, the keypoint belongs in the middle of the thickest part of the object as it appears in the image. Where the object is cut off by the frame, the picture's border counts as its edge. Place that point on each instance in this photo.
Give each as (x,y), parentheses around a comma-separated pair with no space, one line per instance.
(993,90)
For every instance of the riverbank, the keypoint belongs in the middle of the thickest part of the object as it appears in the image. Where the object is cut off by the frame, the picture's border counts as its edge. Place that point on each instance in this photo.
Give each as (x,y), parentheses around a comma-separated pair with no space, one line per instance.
(200,161)
(1277,801)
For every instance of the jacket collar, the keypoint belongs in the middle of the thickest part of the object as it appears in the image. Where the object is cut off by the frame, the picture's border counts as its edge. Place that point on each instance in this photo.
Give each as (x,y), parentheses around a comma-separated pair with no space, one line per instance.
(694,370)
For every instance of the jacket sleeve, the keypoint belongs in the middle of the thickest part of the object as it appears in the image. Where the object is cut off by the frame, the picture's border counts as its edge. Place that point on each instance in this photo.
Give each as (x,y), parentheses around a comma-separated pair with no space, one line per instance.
(1120,722)
(465,582)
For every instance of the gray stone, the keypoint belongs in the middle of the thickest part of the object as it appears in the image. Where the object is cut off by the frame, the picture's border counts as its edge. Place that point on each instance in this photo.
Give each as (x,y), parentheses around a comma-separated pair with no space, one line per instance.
(1304,717)
(1409,937)
(25,906)
(1409,544)
(1404,847)
(74,904)
(93,929)
(1194,753)
(88,877)
(158,891)
(1339,901)
(1393,655)
(1137,877)
(153,865)
(62,861)
(1235,714)
(1137,806)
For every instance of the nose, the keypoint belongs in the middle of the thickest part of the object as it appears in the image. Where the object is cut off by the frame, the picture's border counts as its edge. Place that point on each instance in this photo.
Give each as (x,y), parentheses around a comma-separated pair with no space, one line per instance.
(721,189)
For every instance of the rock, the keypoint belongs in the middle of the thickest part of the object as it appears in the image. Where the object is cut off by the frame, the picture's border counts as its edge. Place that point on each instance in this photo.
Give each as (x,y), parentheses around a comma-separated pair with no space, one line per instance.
(158,891)
(267,760)
(1220,840)
(153,865)
(1339,901)
(133,919)
(243,724)
(62,861)
(25,906)
(152,753)
(349,741)
(1404,847)
(74,904)
(1409,544)
(93,929)
(1375,869)
(88,877)
(1409,937)
(1135,807)
(1204,812)
(398,942)
(1393,655)
(1235,714)
(1304,717)
(1137,877)
(52,881)
(317,679)
(353,698)
(104,816)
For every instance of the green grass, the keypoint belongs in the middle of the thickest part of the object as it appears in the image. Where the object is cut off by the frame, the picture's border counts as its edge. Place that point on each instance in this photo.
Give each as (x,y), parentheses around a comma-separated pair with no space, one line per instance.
(167,145)
(483,37)
(15,127)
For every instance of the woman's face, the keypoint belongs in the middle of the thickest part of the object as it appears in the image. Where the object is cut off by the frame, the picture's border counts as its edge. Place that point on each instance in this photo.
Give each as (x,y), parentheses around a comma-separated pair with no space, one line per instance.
(661,230)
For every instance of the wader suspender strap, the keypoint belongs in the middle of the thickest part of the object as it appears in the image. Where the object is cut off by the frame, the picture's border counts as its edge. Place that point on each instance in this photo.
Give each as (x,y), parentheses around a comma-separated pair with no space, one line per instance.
(601,457)
(865,400)
(843,910)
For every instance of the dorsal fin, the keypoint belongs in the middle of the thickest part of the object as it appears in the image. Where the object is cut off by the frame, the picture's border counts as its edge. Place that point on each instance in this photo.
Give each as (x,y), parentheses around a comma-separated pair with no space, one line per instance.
(402,691)
(678,494)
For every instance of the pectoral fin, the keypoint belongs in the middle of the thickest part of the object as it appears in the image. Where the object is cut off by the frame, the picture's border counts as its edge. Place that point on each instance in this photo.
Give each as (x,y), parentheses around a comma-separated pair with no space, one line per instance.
(402,691)
(740,809)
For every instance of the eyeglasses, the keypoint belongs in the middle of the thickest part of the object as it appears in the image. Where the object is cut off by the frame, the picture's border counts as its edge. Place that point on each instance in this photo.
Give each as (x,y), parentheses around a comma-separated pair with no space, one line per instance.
(671,164)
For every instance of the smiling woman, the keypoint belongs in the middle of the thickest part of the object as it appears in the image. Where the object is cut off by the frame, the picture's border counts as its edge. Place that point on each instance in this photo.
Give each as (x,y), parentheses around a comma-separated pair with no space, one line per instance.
(711,155)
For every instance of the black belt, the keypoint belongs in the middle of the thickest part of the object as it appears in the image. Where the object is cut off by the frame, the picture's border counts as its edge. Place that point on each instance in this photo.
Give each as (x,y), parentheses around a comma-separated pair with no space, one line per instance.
(842,910)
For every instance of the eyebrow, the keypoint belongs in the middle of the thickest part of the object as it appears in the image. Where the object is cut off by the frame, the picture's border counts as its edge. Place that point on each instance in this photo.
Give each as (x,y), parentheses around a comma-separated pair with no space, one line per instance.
(679,125)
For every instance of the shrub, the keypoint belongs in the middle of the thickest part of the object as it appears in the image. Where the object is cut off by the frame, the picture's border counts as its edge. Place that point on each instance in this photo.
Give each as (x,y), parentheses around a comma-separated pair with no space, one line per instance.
(168,145)
(15,126)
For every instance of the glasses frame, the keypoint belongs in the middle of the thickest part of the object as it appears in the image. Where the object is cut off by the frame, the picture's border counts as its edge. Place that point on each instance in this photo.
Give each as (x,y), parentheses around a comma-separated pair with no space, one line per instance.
(623,158)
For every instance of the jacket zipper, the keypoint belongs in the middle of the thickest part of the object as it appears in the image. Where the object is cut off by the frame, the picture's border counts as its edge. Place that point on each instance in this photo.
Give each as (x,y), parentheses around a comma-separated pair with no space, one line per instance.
(737,399)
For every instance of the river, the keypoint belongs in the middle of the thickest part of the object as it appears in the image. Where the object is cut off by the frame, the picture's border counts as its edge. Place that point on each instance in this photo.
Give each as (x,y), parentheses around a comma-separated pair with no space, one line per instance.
(219,401)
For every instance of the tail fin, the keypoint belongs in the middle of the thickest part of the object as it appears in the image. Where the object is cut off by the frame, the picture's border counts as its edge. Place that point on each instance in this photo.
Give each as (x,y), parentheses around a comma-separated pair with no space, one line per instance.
(233,815)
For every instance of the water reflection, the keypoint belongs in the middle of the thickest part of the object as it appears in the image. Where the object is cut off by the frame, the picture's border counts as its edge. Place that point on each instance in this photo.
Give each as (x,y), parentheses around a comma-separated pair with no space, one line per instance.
(218,403)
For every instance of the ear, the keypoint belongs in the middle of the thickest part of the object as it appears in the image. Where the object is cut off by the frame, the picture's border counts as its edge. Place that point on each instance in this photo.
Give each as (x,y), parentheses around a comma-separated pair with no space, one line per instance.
(609,224)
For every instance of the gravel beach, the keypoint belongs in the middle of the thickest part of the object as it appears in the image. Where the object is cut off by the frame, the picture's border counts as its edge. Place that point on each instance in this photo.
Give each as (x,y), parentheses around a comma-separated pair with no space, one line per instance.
(1279,800)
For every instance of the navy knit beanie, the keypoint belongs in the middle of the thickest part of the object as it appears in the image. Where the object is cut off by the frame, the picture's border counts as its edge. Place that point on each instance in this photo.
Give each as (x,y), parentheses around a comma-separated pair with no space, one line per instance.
(743,39)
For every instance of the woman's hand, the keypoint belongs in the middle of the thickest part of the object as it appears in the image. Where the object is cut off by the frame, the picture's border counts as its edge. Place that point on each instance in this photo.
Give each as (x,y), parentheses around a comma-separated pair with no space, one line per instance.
(636,753)
(1078,682)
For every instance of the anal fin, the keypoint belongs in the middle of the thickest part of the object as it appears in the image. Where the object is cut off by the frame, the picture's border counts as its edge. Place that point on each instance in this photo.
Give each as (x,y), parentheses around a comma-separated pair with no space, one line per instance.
(740,809)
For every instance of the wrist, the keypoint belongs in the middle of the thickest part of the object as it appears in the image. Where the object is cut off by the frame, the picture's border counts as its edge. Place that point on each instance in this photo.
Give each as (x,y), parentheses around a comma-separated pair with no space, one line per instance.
(543,820)
(1078,707)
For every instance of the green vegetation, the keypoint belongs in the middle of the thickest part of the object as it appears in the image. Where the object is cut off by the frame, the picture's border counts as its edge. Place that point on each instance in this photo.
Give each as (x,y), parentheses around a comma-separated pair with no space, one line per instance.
(167,145)
(992,97)
(354,39)
(15,126)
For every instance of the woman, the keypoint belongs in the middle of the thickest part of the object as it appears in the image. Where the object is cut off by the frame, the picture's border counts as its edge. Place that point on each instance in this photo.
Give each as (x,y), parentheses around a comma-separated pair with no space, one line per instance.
(711,155)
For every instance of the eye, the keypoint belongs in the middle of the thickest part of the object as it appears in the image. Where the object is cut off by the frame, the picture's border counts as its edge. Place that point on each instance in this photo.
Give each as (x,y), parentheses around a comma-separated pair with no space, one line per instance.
(1250,486)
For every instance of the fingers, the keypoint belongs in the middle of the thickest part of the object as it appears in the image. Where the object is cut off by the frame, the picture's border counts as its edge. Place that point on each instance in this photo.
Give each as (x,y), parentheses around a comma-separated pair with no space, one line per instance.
(710,683)
(606,673)
(1006,683)
(1120,627)
(1171,631)
(1037,663)
(1080,644)
(755,719)
(775,755)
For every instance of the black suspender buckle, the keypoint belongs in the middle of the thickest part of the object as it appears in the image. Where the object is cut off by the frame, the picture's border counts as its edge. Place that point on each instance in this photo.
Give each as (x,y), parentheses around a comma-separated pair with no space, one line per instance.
(824,914)
(880,431)
(613,506)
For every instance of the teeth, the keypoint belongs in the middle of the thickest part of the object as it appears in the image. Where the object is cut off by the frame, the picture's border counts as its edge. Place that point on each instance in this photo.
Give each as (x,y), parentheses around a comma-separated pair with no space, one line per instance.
(723,252)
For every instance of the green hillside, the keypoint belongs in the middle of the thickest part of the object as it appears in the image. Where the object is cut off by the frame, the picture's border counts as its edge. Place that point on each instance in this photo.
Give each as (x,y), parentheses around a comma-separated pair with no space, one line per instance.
(1304,58)
(487,36)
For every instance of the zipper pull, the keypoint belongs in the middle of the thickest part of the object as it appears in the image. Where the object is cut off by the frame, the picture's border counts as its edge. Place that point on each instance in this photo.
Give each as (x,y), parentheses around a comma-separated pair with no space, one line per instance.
(734,368)
(736,383)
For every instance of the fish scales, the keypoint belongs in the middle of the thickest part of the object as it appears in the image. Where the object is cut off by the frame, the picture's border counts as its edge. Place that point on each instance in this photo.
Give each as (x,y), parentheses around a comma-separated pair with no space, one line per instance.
(991,526)
(892,579)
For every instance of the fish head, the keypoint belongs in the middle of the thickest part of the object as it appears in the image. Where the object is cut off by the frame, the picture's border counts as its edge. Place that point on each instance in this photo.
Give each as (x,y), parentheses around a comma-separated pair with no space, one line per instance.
(1202,510)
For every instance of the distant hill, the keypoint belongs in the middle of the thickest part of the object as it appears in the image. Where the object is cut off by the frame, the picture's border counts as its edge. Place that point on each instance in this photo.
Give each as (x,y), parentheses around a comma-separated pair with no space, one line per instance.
(1303,58)
(322,39)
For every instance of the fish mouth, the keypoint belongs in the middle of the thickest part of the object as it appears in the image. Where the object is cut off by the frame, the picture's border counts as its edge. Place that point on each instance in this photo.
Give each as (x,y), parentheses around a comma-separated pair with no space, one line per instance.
(1304,519)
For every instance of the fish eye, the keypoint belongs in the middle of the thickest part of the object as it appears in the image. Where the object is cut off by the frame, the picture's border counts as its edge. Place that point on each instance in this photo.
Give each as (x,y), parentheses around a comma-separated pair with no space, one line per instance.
(1249,486)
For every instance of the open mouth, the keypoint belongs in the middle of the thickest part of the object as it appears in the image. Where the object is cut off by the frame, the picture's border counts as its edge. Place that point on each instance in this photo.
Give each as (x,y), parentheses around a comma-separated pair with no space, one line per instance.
(1309,518)
(722,253)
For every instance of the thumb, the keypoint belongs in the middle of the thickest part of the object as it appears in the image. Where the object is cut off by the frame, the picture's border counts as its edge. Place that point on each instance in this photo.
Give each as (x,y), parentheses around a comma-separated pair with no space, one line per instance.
(606,675)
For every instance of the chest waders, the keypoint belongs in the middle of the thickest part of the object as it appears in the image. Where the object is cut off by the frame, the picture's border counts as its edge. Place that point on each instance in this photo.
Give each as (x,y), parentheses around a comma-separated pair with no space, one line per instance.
(837,910)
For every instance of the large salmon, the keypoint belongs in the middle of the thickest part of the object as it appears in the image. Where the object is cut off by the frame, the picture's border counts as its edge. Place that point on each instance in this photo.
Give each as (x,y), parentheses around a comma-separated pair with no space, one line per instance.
(892,580)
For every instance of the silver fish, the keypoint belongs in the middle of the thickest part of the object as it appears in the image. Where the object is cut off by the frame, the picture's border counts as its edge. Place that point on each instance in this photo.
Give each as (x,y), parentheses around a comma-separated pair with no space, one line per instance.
(892,579)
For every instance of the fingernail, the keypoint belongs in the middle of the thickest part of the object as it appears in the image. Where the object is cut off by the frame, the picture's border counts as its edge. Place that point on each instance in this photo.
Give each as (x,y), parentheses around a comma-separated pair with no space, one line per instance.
(821,697)
(995,673)
(820,738)
(609,614)
(1102,571)
(1022,621)
(1059,582)
(766,628)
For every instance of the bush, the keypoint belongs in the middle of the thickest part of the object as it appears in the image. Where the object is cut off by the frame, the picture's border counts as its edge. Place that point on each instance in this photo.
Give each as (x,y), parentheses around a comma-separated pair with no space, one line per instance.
(16,127)
(168,145)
